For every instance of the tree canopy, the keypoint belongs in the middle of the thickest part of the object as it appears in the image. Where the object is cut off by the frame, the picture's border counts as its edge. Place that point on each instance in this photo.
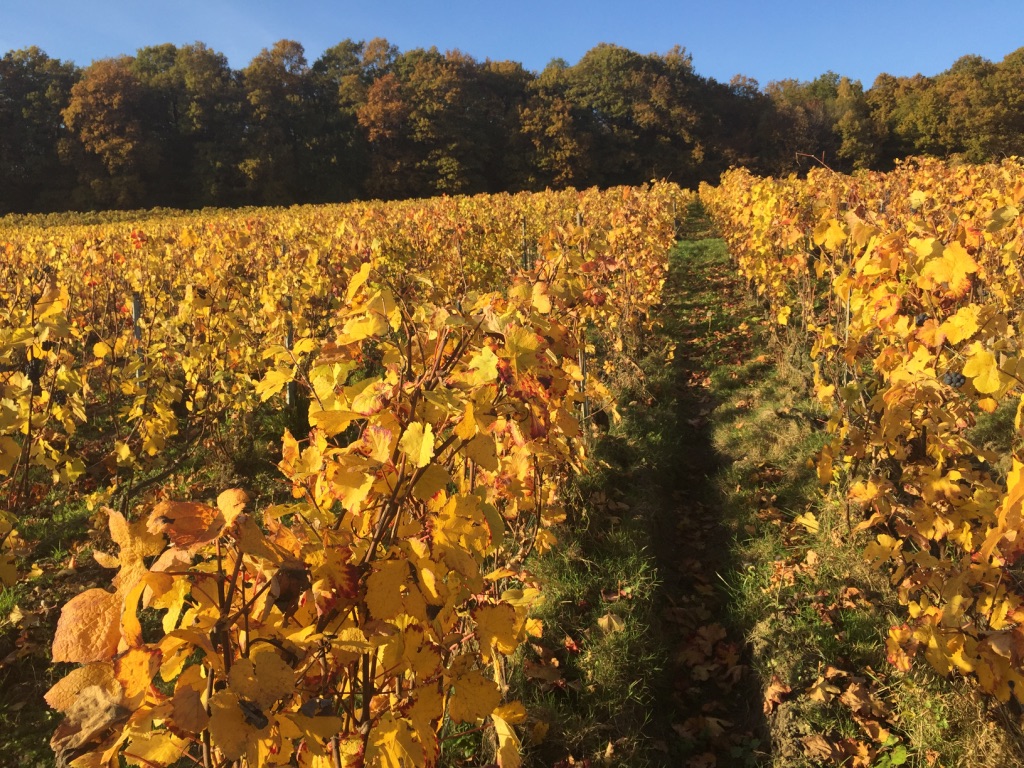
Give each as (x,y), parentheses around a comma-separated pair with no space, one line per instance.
(177,126)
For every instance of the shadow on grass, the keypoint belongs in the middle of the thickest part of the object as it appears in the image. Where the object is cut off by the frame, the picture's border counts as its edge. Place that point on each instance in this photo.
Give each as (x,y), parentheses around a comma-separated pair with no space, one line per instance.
(637,621)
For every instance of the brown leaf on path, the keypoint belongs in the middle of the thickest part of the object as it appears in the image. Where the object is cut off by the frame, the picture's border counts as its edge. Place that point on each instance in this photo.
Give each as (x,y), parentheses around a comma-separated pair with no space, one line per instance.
(860,700)
(610,623)
(541,671)
(846,752)
(774,694)
(817,747)
(874,729)
(823,690)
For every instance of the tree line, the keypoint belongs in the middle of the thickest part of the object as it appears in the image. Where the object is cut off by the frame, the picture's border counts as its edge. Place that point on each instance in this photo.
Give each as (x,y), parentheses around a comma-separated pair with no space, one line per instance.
(177,126)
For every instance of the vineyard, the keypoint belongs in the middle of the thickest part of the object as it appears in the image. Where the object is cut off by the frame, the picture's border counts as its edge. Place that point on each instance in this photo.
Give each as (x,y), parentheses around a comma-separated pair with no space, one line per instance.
(907,286)
(435,361)
(438,378)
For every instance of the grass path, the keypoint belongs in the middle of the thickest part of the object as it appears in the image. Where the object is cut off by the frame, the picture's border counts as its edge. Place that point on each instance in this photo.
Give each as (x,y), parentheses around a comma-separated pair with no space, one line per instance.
(710,703)
(708,606)
(665,681)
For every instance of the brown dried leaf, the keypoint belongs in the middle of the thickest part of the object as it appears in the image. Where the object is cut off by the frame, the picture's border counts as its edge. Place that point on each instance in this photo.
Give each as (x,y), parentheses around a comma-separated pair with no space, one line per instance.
(95,710)
(63,695)
(774,694)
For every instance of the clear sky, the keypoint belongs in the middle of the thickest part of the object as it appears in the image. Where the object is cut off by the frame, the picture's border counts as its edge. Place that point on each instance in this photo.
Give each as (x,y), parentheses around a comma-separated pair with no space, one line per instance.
(759,38)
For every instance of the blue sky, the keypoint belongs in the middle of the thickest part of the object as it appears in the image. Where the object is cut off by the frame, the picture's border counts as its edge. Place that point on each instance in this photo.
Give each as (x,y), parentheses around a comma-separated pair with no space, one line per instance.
(758,38)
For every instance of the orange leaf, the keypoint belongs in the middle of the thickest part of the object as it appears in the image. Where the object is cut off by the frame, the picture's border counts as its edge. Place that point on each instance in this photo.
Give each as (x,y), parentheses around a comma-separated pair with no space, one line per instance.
(88,628)
(187,524)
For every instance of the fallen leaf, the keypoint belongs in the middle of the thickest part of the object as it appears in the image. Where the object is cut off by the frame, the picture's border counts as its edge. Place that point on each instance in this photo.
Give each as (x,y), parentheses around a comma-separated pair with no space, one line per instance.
(774,694)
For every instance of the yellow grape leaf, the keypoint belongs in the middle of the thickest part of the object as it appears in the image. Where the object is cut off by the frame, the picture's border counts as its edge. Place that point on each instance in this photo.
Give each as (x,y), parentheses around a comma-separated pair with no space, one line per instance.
(384,589)
(808,521)
(522,345)
(315,730)
(101,349)
(952,269)
(231,503)
(782,318)
(883,549)
(379,441)
(988,405)
(514,712)
(88,628)
(52,301)
(825,466)
(331,422)
(263,678)
(188,712)
(273,382)
(358,280)
(93,712)
(8,570)
(229,727)
(926,248)
(418,443)
(123,452)
(132,536)
(10,451)
(829,233)
(473,697)
(466,428)
(149,748)
(305,346)
(433,479)
(136,668)
(432,581)
(426,710)
(496,628)
(135,543)
(1001,217)
(983,371)
(365,326)
(392,744)
(483,367)
(188,524)
(482,450)
(963,324)
(540,299)
(508,743)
